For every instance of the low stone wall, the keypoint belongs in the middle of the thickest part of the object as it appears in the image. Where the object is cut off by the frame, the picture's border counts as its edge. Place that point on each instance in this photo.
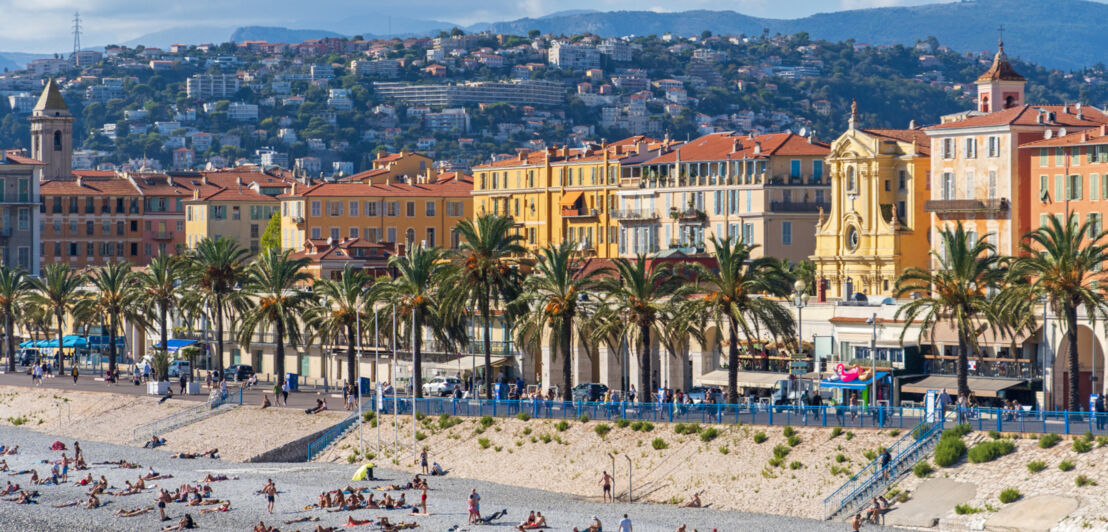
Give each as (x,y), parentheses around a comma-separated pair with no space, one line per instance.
(293,451)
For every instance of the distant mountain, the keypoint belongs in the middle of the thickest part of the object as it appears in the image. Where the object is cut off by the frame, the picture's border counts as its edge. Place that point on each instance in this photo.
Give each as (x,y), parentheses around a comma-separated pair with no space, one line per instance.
(276,34)
(182,34)
(1058,33)
(18,60)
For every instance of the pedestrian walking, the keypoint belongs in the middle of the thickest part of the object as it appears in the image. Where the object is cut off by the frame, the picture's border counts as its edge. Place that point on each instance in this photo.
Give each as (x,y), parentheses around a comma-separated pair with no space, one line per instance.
(183,381)
(75,373)
(885,458)
(285,393)
(625,525)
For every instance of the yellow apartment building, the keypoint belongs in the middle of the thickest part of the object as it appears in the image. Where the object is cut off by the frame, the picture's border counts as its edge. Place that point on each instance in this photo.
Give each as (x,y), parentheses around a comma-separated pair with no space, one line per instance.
(400,213)
(877,226)
(559,193)
(240,214)
(405,167)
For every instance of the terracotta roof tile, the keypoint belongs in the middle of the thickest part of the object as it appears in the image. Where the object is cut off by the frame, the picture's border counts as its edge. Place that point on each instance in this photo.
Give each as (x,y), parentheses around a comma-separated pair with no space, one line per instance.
(91,186)
(1028,115)
(917,135)
(451,189)
(728,146)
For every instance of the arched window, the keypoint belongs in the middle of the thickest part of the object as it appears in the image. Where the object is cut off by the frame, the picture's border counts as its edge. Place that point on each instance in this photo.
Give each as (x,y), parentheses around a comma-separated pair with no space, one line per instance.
(984,103)
(1009,102)
(57,141)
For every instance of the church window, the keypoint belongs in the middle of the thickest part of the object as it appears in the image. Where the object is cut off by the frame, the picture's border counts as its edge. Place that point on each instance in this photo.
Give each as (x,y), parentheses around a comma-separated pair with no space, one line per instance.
(57,141)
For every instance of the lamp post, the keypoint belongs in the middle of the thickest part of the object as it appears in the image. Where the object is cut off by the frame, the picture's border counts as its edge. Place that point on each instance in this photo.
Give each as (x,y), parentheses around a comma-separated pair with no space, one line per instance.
(873,359)
(800,300)
(376,378)
(358,369)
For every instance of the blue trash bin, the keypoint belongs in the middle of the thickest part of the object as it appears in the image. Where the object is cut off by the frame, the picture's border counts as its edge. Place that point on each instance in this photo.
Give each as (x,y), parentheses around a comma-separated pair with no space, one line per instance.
(294,381)
(365,386)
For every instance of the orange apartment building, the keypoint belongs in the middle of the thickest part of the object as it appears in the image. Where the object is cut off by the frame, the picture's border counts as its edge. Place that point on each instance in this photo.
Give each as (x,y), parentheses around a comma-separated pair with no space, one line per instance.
(1070,177)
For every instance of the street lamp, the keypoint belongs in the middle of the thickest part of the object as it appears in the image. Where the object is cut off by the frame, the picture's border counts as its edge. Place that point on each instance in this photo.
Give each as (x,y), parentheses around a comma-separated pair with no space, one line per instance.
(800,300)
(873,358)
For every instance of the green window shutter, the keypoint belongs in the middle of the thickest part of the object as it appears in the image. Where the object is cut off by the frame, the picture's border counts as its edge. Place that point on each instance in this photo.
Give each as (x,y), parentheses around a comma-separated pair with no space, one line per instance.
(1044,186)
(1088,154)
(1094,182)
(1043,220)
(1077,194)
(1059,187)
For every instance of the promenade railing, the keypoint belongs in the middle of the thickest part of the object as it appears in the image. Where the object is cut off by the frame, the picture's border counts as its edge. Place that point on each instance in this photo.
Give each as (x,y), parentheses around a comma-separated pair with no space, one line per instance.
(890,417)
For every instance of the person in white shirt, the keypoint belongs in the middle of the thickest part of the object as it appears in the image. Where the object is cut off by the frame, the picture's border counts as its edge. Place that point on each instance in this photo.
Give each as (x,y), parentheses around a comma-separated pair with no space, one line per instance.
(625,524)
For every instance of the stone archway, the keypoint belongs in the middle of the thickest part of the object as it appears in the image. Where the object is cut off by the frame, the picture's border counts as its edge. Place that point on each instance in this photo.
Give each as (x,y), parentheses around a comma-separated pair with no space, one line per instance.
(1090,359)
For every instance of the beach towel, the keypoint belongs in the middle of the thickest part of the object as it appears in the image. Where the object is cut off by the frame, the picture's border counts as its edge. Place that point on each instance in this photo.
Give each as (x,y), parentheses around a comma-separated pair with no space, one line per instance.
(57,446)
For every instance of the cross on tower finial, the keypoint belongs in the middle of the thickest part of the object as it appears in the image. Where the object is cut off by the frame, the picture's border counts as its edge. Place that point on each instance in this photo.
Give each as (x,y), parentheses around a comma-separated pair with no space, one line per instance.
(1000,40)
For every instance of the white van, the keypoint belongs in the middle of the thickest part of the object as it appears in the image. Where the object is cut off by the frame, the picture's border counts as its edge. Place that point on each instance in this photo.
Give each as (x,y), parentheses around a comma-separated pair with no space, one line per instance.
(179,367)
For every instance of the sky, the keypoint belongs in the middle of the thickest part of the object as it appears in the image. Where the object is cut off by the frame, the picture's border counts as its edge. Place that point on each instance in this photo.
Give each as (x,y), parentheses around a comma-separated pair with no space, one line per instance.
(46,25)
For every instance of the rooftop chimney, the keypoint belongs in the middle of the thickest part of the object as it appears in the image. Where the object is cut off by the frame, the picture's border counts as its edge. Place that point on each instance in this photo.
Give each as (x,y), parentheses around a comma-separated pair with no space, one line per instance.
(736,145)
(195,193)
(911,124)
(78,181)
(758,147)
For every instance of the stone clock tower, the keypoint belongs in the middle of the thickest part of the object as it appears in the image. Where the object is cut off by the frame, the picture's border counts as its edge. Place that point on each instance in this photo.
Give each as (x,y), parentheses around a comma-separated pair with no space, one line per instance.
(52,134)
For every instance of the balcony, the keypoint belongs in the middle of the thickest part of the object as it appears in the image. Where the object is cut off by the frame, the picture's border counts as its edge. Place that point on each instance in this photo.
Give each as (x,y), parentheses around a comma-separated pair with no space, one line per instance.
(795,206)
(796,181)
(580,213)
(634,214)
(163,235)
(992,206)
(1010,368)
(690,215)
(298,220)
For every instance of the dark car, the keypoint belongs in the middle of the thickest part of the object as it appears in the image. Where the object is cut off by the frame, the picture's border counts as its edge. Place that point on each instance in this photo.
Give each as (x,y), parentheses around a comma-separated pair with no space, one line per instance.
(589,391)
(699,394)
(238,372)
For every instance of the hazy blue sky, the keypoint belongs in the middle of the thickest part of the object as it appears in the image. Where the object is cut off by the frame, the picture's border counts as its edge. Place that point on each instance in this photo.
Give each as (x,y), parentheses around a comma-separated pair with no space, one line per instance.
(45,25)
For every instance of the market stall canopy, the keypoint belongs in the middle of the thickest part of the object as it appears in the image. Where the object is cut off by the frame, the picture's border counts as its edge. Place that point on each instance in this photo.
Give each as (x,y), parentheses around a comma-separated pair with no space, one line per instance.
(69,340)
(466,363)
(980,386)
(856,384)
(746,379)
(175,344)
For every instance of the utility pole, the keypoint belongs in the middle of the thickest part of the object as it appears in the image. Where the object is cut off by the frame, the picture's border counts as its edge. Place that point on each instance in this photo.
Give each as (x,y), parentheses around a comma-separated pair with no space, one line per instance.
(76,37)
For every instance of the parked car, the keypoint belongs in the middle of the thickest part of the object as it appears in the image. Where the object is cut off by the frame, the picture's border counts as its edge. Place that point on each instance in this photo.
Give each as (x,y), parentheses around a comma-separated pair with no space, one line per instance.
(440,386)
(699,394)
(28,356)
(589,391)
(238,372)
(179,367)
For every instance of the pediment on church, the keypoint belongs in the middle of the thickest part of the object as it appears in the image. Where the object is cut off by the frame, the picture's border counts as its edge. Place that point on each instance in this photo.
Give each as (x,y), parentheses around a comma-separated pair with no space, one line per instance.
(848,146)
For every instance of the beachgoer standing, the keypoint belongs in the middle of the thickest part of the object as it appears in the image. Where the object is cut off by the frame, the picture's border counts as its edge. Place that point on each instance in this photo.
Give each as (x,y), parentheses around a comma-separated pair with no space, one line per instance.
(183,381)
(285,393)
(606,486)
(474,506)
(885,458)
(423,461)
(270,492)
(625,524)
(856,523)
(423,499)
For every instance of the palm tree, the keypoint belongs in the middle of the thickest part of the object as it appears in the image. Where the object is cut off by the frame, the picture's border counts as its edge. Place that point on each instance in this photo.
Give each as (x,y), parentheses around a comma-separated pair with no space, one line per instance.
(736,297)
(608,326)
(554,293)
(272,280)
(487,270)
(958,292)
(1063,263)
(161,289)
(640,292)
(13,296)
(115,296)
(340,306)
(421,278)
(682,321)
(56,289)
(215,267)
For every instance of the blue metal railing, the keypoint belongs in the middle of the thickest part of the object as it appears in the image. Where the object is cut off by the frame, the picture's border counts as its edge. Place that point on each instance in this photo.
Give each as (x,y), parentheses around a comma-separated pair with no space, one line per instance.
(904,453)
(1036,422)
(327,438)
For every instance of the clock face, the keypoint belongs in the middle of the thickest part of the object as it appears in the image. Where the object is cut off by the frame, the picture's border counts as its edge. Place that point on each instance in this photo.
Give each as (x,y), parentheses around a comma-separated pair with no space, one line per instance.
(852,238)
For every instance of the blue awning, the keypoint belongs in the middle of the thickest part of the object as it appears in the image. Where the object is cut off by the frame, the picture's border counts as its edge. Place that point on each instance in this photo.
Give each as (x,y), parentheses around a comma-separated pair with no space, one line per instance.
(27,343)
(174,344)
(834,382)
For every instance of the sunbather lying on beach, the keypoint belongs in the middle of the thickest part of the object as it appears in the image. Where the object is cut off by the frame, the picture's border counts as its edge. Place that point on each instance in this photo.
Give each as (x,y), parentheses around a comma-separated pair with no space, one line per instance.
(9,450)
(304,519)
(261,527)
(218,478)
(93,502)
(488,520)
(132,513)
(224,506)
(154,442)
(388,526)
(350,521)
(24,497)
(185,522)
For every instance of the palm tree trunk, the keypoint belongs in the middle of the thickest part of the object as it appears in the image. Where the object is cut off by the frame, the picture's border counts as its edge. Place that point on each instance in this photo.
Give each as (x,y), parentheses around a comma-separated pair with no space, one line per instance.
(1074,398)
(417,355)
(8,326)
(60,353)
(111,345)
(162,318)
(219,334)
(733,363)
(279,356)
(350,362)
(487,340)
(963,365)
(644,369)
(566,337)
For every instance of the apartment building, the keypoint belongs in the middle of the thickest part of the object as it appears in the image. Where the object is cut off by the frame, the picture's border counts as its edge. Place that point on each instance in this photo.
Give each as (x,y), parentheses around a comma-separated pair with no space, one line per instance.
(560,193)
(575,56)
(403,166)
(400,213)
(212,86)
(519,92)
(237,213)
(983,179)
(1069,177)
(764,189)
(91,220)
(19,212)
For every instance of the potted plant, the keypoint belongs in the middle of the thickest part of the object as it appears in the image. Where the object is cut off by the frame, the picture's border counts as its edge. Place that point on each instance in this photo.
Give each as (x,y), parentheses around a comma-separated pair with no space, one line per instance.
(160,385)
